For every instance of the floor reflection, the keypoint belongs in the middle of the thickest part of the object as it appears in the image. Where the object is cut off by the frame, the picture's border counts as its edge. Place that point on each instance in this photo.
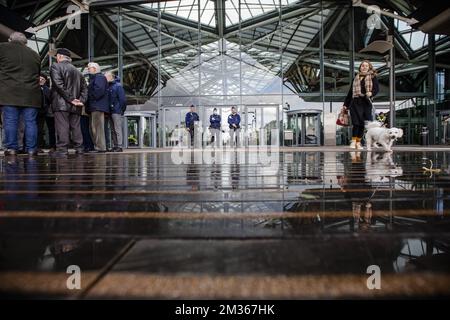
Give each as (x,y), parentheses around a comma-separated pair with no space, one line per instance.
(301,213)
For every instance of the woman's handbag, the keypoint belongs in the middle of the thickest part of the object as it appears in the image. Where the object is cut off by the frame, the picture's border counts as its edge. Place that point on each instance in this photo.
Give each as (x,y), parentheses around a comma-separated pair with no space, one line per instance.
(343,118)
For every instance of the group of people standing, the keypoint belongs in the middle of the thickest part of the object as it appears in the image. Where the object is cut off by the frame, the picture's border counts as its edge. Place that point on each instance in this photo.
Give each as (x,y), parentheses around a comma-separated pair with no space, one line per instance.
(73,110)
(215,120)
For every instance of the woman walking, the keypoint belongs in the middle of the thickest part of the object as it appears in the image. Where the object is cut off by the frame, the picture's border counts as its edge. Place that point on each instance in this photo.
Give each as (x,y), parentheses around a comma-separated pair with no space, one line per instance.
(359,101)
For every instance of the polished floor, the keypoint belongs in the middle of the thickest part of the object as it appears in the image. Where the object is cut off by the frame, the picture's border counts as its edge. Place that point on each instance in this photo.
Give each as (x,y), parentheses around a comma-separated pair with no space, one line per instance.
(291,224)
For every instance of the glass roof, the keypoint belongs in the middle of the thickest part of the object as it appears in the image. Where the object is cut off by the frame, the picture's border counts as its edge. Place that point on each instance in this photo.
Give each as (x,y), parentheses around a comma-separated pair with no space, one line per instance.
(189,9)
(38,42)
(416,39)
(251,9)
(265,48)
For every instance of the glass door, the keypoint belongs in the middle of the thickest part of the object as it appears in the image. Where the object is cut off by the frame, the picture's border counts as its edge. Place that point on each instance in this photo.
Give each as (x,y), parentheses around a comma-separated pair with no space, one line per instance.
(262,125)
(174,127)
(133,130)
(312,129)
(149,132)
(299,130)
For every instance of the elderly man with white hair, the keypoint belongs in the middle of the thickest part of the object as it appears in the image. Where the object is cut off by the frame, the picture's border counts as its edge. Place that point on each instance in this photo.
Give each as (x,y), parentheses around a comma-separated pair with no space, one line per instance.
(98,105)
(20,93)
(69,94)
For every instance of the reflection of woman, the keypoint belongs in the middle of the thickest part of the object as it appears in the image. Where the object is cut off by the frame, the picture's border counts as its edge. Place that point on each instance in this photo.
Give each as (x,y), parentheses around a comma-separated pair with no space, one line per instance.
(358,100)
(356,190)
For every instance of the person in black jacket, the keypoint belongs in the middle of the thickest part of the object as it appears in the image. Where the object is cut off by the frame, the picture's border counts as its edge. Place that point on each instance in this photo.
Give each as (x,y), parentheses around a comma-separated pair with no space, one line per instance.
(69,94)
(190,119)
(117,105)
(359,100)
(214,127)
(98,105)
(45,115)
(234,122)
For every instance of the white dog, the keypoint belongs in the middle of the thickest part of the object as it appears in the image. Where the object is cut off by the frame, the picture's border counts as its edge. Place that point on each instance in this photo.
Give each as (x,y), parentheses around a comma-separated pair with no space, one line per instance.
(376,134)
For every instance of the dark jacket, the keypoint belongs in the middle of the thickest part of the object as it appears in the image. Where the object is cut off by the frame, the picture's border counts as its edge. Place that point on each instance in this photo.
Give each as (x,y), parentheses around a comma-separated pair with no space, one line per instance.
(215,120)
(19,76)
(67,84)
(116,97)
(45,100)
(190,118)
(234,119)
(98,93)
(375,89)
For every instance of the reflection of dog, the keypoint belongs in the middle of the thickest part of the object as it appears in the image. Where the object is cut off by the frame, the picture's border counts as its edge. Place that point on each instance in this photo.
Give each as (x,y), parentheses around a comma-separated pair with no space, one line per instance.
(376,134)
(380,168)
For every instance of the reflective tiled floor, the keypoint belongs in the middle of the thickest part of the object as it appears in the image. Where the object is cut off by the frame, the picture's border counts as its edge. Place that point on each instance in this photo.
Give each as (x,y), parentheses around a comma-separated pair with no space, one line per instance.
(234,224)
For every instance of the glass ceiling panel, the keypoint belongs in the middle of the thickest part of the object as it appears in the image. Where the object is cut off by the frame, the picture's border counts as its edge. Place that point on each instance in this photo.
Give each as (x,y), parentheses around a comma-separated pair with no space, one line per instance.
(415,39)
(38,42)
(251,9)
(188,9)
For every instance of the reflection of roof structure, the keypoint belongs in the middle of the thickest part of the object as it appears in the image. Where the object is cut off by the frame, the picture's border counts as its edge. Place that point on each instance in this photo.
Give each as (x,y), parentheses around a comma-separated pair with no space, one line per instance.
(219,31)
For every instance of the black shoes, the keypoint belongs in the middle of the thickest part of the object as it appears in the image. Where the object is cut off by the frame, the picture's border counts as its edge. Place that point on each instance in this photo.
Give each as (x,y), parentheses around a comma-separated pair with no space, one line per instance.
(97,151)
(10,152)
(117,149)
(59,153)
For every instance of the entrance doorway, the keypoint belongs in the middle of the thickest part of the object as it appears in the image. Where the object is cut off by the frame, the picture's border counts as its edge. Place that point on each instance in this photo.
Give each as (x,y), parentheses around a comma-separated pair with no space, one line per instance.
(260,124)
(139,130)
(306,127)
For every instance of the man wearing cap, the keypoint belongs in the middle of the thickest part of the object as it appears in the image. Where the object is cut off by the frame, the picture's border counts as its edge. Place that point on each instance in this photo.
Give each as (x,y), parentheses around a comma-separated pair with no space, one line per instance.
(69,94)
(20,94)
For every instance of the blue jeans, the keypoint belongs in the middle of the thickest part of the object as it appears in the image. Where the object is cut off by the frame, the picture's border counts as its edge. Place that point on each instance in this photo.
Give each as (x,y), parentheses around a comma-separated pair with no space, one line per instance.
(11,117)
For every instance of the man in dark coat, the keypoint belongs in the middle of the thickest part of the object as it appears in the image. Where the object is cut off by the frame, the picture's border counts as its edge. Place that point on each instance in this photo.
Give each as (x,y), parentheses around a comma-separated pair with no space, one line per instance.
(69,94)
(117,107)
(20,93)
(98,105)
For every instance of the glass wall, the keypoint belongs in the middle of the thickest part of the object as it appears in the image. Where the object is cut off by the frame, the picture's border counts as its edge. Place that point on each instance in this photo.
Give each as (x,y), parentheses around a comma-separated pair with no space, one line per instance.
(264,57)
(277,55)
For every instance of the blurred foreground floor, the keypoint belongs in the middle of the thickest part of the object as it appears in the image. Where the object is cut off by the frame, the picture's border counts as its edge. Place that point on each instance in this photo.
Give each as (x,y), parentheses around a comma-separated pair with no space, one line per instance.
(234,224)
